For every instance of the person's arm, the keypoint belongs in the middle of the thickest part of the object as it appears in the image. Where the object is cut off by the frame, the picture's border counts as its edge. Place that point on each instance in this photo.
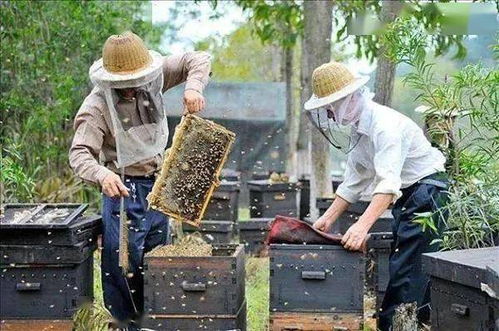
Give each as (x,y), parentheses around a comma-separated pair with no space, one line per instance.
(334,211)
(193,68)
(84,152)
(391,149)
(356,235)
(348,192)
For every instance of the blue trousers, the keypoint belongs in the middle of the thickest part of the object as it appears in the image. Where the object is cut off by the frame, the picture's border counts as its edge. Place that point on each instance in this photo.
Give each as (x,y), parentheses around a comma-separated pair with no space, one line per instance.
(147,229)
(408,283)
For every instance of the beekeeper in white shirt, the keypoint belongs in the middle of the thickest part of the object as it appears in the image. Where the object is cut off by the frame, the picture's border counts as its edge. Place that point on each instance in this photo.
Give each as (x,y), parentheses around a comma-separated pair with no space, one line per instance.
(389,161)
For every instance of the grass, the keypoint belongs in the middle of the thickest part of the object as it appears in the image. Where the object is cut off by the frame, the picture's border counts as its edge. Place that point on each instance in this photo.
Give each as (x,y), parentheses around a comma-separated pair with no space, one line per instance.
(257,293)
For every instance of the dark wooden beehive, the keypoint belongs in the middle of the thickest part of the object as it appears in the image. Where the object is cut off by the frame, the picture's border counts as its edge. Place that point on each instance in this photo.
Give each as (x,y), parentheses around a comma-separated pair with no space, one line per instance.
(300,275)
(352,214)
(464,289)
(223,205)
(51,291)
(184,290)
(286,321)
(269,199)
(252,233)
(46,261)
(219,232)
(191,169)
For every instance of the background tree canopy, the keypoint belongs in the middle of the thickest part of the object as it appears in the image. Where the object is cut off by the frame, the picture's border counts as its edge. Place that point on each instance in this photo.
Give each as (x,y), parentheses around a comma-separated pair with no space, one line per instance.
(47,49)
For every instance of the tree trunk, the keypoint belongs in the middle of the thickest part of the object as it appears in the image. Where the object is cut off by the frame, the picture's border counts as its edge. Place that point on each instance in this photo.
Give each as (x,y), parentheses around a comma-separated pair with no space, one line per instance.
(316,50)
(291,120)
(385,70)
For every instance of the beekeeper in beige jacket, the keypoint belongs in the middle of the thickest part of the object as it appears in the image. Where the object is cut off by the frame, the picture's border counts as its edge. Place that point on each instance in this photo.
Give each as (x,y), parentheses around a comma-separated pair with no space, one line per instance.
(122,127)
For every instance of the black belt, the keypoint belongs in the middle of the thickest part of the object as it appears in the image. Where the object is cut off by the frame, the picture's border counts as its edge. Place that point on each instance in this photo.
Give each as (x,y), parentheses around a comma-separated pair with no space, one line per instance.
(438,179)
(148,177)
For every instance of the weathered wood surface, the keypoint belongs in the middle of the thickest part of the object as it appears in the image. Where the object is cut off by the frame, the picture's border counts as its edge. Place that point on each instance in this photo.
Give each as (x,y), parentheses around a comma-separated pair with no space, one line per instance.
(36,325)
(315,322)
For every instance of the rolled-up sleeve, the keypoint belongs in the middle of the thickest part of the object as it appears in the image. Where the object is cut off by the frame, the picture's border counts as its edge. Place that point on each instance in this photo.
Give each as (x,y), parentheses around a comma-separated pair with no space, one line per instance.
(390,152)
(193,68)
(356,179)
(85,148)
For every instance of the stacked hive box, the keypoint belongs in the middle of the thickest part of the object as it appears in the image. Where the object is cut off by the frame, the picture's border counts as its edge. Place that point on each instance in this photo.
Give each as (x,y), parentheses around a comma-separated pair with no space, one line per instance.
(315,287)
(219,224)
(252,233)
(269,199)
(191,293)
(46,257)
(464,289)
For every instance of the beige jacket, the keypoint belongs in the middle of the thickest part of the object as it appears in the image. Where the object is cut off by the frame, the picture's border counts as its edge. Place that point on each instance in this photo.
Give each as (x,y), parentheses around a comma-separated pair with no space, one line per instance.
(93,150)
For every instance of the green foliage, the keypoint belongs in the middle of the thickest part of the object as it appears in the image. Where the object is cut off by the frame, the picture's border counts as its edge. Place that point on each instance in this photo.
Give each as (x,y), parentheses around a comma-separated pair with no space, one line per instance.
(257,293)
(46,50)
(464,108)
(239,57)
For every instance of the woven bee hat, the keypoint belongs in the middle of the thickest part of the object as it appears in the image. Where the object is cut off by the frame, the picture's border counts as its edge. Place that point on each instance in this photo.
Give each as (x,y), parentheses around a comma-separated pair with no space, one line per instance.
(125,62)
(331,82)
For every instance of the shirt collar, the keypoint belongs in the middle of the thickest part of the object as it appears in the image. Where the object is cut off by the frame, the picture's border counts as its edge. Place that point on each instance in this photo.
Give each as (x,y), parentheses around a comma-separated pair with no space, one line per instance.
(365,119)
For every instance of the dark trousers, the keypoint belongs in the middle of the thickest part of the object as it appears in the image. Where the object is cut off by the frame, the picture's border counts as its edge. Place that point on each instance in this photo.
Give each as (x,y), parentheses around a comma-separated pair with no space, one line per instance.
(147,229)
(407,282)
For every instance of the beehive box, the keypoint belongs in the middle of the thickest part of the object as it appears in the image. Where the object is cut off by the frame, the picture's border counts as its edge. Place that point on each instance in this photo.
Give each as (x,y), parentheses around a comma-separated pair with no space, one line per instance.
(199,322)
(223,205)
(230,175)
(46,254)
(213,231)
(195,286)
(352,214)
(315,321)
(270,199)
(190,172)
(252,233)
(464,288)
(300,275)
(37,291)
(82,229)
(378,275)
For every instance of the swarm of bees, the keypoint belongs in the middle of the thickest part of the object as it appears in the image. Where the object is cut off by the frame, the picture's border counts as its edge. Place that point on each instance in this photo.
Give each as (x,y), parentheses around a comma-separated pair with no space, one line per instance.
(190,245)
(191,169)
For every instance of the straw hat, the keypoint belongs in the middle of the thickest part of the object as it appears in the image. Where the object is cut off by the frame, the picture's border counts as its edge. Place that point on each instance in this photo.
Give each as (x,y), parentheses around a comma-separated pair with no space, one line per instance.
(331,82)
(125,59)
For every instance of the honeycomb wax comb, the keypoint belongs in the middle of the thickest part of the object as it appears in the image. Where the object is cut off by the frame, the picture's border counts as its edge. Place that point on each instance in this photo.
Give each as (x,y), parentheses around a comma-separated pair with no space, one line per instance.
(190,170)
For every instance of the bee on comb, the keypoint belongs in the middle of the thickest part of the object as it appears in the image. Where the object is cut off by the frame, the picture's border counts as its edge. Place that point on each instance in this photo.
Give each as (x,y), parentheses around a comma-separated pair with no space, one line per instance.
(191,168)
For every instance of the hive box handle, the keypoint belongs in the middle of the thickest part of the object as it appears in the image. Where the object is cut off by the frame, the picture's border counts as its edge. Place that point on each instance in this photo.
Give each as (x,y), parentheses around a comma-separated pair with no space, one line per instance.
(28,286)
(460,310)
(193,287)
(318,275)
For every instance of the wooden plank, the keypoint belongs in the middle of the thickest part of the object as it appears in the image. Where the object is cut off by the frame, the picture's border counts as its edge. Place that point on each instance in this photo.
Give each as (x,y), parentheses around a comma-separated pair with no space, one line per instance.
(38,325)
(315,322)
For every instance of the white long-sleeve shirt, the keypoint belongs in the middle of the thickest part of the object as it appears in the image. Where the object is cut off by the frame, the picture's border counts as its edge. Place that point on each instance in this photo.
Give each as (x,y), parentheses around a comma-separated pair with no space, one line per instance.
(392,153)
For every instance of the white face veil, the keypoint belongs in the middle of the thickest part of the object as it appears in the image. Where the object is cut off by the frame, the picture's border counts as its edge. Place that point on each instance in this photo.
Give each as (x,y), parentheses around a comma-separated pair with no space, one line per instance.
(336,120)
(141,133)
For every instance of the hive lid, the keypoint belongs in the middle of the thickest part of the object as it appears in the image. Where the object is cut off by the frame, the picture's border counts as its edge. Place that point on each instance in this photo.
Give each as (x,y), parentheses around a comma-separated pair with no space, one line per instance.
(228,186)
(230,175)
(40,216)
(210,226)
(266,185)
(470,267)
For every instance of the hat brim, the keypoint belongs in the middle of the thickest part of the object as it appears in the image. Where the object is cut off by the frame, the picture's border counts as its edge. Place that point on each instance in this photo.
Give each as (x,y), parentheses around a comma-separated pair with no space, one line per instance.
(99,75)
(315,102)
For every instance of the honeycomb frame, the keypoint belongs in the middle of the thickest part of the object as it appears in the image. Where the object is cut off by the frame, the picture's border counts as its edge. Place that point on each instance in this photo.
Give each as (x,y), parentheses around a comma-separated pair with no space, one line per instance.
(168,193)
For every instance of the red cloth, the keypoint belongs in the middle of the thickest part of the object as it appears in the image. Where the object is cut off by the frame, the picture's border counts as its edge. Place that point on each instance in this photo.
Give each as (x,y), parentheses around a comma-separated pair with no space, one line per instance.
(288,230)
